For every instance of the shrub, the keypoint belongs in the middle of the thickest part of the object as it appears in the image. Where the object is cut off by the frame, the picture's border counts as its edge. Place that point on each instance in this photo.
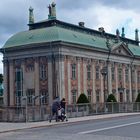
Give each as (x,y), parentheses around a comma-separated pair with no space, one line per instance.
(138,98)
(82,99)
(111,98)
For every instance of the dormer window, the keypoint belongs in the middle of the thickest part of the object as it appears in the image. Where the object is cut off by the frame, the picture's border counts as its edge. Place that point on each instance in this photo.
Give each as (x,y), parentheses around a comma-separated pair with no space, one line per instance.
(119,51)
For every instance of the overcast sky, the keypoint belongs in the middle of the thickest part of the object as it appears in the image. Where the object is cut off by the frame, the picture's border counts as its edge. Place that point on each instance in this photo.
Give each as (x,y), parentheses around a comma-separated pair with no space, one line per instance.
(110,14)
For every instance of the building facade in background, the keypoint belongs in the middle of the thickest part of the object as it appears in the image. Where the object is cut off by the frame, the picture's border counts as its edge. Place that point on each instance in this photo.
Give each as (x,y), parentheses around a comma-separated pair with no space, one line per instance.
(55,58)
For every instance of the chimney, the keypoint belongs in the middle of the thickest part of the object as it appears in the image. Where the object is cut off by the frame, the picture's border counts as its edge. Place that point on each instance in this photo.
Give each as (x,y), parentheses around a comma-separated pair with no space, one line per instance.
(101,29)
(123,35)
(81,24)
(117,33)
(136,35)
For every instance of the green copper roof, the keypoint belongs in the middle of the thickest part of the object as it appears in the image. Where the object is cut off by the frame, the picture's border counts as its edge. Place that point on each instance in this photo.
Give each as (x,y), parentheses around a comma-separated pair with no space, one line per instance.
(134,49)
(54,34)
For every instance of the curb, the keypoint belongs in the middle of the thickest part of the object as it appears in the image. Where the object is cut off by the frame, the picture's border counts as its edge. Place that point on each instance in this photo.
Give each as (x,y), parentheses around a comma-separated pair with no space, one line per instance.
(78,119)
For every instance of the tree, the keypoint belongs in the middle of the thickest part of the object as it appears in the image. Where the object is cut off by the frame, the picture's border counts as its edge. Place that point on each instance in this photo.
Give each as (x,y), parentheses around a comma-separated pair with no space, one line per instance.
(111,98)
(82,99)
(138,98)
(1,78)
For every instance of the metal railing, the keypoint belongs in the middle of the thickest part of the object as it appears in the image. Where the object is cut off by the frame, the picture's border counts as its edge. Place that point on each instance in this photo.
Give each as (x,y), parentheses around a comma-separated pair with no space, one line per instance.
(42,113)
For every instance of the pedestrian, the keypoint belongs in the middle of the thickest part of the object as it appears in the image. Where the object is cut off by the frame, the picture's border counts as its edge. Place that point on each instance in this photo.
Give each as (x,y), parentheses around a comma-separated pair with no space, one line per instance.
(55,107)
(63,106)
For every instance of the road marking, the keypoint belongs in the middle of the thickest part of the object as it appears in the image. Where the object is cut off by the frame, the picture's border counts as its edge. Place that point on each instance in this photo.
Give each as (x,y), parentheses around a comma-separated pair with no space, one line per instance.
(107,128)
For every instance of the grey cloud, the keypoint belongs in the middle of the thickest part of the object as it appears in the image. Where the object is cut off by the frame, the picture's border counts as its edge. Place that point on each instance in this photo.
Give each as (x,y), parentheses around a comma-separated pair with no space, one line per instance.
(122,4)
(78,4)
(75,4)
(14,13)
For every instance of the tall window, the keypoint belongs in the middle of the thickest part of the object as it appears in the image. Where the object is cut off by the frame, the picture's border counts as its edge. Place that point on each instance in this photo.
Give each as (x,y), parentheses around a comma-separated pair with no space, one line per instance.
(97,96)
(30,67)
(133,76)
(73,71)
(133,95)
(126,75)
(74,97)
(127,95)
(45,97)
(19,85)
(113,73)
(89,95)
(97,73)
(138,76)
(88,72)
(119,73)
(43,72)
(30,94)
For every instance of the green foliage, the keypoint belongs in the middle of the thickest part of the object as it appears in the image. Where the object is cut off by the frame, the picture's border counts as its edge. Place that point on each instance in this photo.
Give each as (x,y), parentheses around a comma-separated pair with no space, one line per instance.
(111,98)
(138,98)
(1,78)
(82,99)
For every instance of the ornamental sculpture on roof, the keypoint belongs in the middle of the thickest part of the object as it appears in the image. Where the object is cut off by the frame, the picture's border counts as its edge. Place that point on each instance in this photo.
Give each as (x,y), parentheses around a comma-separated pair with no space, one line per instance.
(31,15)
(52,11)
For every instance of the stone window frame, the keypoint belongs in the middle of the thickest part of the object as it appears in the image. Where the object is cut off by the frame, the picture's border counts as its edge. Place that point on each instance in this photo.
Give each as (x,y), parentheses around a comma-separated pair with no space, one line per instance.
(43,71)
(97,96)
(30,93)
(138,74)
(127,95)
(113,73)
(18,85)
(126,75)
(74,96)
(45,99)
(73,71)
(89,95)
(120,73)
(88,72)
(97,72)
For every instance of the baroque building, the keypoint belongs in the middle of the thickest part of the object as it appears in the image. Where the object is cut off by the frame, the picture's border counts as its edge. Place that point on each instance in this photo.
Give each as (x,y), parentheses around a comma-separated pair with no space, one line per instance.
(55,58)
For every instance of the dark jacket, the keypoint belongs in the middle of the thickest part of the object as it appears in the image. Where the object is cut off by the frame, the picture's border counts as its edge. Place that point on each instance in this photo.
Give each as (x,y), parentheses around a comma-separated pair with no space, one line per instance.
(56,105)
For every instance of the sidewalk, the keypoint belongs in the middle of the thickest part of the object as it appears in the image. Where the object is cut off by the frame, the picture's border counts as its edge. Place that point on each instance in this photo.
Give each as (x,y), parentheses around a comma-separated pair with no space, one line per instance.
(7,127)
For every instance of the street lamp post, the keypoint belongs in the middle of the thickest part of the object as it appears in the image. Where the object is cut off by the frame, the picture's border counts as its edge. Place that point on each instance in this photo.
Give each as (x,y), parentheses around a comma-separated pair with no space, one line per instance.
(41,97)
(26,107)
(104,73)
(33,105)
(121,89)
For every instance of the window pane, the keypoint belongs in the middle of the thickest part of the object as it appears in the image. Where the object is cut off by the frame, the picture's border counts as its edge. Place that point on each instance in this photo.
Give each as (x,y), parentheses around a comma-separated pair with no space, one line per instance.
(73,71)
(88,72)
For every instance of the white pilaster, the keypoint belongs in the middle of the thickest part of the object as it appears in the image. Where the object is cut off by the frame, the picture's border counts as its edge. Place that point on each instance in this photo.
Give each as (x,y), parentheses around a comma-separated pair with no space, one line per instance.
(12,94)
(116,81)
(84,78)
(136,84)
(93,85)
(61,79)
(124,84)
(102,85)
(5,83)
(130,89)
(24,76)
(69,83)
(50,82)
(79,79)
(37,79)
(109,80)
